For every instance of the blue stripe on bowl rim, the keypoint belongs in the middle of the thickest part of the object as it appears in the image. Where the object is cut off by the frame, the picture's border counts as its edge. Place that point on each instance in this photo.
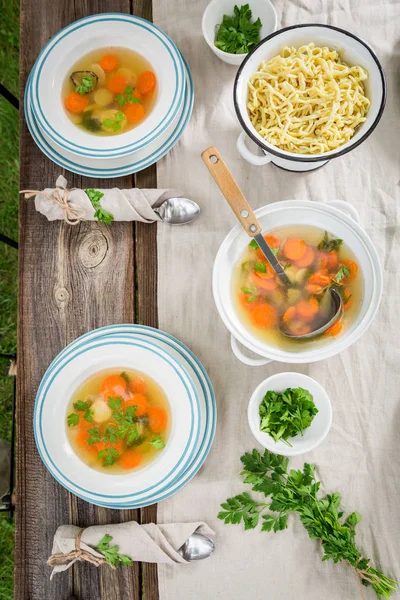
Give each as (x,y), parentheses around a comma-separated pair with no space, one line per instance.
(41,398)
(43,145)
(133,146)
(190,357)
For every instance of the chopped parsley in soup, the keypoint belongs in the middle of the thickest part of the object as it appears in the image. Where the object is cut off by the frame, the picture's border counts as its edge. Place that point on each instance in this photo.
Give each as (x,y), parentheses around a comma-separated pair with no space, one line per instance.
(313,260)
(118,420)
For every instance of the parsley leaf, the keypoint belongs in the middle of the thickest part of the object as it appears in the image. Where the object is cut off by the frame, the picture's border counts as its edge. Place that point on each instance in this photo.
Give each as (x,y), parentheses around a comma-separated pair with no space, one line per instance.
(236,34)
(72,420)
(111,554)
(87,85)
(260,267)
(297,491)
(81,405)
(327,243)
(127,97)
(116,123)
(343,272)
(284,415)
(114,403)
(101,215)
(94,436)
(157,442)
(108,456)
(88,415)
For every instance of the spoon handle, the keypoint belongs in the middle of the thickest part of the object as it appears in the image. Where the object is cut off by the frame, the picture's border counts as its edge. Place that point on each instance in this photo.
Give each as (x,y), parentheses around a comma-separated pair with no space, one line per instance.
(230,189)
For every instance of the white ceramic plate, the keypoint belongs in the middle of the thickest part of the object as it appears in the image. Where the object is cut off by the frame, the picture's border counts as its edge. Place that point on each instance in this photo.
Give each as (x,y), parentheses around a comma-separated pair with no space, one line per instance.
(56,389)
(313,435)
(203,387)
(114,167)
(88,34)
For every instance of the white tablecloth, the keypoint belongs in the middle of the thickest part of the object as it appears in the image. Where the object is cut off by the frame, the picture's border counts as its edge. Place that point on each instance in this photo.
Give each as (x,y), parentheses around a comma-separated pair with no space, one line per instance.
(361,456)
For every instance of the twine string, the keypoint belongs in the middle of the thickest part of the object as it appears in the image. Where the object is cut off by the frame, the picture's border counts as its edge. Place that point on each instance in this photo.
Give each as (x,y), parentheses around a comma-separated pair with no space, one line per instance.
(72,214)
(59,558)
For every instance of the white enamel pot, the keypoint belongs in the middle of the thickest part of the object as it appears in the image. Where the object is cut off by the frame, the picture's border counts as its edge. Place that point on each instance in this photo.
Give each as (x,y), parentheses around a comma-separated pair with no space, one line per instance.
(341,220)
(354,51)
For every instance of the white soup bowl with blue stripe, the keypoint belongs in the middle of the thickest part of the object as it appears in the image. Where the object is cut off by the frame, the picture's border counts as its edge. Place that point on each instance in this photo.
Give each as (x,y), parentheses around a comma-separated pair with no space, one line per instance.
(84,36)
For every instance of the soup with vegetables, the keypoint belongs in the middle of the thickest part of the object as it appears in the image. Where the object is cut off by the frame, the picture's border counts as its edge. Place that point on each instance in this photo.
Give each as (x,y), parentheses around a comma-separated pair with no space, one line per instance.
(118,420)
(109,91)
(313,260)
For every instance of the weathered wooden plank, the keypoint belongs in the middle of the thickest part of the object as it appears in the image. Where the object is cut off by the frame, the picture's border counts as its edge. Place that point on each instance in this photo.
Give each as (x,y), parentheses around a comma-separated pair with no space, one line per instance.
(71,281)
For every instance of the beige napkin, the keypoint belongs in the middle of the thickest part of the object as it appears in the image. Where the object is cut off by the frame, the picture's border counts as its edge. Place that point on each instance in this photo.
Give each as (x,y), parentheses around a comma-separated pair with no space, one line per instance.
(146,543)
(124,205)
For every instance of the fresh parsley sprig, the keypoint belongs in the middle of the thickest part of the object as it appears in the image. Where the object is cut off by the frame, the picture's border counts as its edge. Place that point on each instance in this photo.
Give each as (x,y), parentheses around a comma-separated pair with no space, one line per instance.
(100,214)
(116,123)
(236,34)
(297,491)
(111,553)
(284,415)
(86,86)
(343,272)
(329,243)
(127,97)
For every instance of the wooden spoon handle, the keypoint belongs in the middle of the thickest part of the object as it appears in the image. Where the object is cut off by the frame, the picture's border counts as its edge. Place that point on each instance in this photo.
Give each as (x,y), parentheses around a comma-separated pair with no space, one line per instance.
(230,189)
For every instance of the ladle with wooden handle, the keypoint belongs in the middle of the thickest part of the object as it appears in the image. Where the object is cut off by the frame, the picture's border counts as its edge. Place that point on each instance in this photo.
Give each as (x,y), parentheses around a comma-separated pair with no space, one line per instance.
(243,211)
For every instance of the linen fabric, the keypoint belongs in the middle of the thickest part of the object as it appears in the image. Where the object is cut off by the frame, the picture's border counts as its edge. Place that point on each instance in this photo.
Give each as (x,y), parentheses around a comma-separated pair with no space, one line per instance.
(360,458)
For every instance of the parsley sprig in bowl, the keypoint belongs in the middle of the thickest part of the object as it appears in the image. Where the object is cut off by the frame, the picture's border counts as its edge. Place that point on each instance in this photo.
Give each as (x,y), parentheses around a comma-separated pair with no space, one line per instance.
(290,414)
(232,29)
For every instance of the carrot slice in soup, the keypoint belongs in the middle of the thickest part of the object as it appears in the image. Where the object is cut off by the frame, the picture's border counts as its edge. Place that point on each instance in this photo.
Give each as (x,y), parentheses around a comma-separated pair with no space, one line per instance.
(334,329)
(307,309)
(307,259)
(294,249)
(158,418)
(289,314)
(329,260)
(264,315)
(108,63)
(353,267)
(299,328)
(130,459)
(313,289)
(140,401)
(268,283)
(146,82)
(138,385)
(134,112)
(319,278)
(76,103)
(117,84)
(244,301)
(113,386)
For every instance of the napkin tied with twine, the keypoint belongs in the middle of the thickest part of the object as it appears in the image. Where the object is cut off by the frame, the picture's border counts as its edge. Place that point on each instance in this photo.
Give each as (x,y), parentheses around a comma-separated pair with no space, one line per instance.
(146,543)
(73,205)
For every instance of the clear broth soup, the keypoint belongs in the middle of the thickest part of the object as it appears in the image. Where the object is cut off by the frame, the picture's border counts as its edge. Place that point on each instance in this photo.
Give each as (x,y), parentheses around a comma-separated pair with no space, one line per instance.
(118,420)
(313,260)
(109,91)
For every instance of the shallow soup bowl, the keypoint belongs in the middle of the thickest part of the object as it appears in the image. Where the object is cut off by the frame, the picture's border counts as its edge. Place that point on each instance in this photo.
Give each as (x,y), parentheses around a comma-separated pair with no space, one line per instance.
(109,30)
(353,51)
(66,375)
(338,218)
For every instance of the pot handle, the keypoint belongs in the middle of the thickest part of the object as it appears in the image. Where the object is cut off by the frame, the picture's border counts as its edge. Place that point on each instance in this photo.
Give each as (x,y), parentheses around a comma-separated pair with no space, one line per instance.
(253,159)
(252,362)
(346,208)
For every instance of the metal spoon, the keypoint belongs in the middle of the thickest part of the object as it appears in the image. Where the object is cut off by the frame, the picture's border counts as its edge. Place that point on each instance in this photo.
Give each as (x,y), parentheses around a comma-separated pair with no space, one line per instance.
(197,547)
(250,224)
(178,211)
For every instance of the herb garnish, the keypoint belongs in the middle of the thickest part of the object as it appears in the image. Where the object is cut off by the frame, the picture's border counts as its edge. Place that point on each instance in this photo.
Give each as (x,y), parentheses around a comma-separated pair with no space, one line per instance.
(236,34)
(343,272)
(116,123)
(157,442)
(297,491)
(127,96)
(100,214)
(72,420)
(327,244)
(111,554)
(284,415)
(87,85)
(253,244)
(260,267)
(252,294)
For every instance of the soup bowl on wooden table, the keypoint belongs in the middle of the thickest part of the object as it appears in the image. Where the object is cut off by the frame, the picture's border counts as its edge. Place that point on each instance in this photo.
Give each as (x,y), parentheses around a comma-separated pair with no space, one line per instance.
(93,34)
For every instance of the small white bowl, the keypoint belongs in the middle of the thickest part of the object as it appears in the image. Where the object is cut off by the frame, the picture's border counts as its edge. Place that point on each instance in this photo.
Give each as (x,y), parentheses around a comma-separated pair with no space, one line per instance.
(313,435)
(214,13)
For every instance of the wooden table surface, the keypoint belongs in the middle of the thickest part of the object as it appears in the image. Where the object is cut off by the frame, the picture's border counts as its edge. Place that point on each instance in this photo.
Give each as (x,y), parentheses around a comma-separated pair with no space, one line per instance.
(71,280)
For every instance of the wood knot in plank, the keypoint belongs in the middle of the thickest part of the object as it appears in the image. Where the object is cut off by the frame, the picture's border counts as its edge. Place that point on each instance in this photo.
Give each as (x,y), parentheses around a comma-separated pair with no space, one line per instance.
(93,249)
(61,295)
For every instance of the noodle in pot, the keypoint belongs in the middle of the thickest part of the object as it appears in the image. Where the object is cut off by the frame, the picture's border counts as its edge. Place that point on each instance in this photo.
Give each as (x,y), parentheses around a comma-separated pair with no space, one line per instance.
(307,100)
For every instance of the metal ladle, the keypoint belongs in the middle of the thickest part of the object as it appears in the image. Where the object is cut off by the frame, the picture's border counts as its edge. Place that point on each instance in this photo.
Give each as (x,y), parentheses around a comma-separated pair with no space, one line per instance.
(178,211)
(243,211)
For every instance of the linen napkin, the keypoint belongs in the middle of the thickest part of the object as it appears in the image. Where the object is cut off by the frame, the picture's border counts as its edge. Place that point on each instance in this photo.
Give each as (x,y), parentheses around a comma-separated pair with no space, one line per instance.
(146,543)
(74,205)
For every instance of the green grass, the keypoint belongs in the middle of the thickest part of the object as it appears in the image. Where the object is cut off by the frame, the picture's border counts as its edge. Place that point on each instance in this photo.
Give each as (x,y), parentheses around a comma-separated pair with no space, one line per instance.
(9,77)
